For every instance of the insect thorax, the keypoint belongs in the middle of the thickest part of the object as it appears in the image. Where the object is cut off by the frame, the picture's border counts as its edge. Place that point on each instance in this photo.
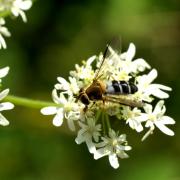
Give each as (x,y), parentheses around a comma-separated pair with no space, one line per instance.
(96,90)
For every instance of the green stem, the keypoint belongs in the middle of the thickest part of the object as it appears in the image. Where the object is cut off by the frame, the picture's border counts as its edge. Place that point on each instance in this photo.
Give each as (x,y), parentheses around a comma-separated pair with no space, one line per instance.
(98,116)
(5,14)
(107,122)
(28,102)
(103,124)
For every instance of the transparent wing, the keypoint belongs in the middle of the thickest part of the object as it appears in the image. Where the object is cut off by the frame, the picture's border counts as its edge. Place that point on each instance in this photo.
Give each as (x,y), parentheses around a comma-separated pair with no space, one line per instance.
(124,100)
(113,47)
(104,57)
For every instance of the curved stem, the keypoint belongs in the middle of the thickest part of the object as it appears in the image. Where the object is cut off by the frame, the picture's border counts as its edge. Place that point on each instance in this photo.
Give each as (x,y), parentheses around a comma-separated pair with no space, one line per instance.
(28,102)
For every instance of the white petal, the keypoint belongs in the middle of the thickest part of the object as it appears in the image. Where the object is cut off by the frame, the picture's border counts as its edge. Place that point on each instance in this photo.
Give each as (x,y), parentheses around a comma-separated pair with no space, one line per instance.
(148,108)
(71,124)
(113,161)
(127,148)
(151,76)
(80,138)
(130,52)
(58,119)
(123,56)
(135,125)
(160,86)
(2,21)
(112,134)
(167,120)
(164,129)
(2,42)
(6,106)
(143,117)
(122,137)
(49,110)
(3,94)
(58,100)
(4,72)
(64,84)
(58,86)
(160,94)
(82,125)
(100,153)
(5,32)
(90,60)
(101,144)
(122,148)
(3,120)
(15,11)
(25,5)
(91,146)
(122,155)
(141,64)
(55,96)
(23,16)
(159,107)
(139,127)
(62,99)
(149,124)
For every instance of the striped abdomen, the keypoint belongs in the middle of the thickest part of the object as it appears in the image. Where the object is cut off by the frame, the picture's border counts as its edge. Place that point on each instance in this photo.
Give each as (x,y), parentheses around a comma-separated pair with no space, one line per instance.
(120,87)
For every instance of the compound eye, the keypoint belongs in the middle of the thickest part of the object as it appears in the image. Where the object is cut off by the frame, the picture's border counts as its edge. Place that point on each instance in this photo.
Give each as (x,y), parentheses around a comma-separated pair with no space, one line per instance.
(85,100)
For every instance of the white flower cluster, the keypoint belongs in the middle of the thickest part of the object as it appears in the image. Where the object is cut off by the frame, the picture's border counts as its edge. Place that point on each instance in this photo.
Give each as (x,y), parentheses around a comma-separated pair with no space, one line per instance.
(15,8)
(93,125)
(3,94)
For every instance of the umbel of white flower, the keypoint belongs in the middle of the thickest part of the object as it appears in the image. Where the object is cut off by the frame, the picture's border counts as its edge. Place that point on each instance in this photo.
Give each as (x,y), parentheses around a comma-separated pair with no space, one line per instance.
(15,8)
(3,94)
(92,123)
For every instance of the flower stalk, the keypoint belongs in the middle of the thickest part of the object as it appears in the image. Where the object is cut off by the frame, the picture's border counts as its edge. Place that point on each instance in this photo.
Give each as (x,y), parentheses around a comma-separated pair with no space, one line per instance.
(107,122)
(20,101)
(5,14)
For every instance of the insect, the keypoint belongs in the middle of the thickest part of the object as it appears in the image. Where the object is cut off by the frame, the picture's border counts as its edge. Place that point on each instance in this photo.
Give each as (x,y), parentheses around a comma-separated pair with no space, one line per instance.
(111,91)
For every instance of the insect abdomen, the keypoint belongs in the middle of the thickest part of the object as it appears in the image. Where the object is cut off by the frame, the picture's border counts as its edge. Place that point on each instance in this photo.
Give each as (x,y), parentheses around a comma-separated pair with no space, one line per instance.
(121,87)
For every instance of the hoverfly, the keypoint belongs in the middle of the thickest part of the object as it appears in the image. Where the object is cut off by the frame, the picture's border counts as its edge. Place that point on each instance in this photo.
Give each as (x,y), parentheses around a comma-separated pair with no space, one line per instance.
(112,91)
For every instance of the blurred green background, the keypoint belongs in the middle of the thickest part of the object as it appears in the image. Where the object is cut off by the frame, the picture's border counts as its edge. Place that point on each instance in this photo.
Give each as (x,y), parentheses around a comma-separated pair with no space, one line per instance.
(60,33)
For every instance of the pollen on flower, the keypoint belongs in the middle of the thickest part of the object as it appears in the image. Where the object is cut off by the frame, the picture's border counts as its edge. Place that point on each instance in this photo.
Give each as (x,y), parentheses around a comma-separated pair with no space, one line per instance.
(114,142)
(117,87)
(152,117)
(67,107)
